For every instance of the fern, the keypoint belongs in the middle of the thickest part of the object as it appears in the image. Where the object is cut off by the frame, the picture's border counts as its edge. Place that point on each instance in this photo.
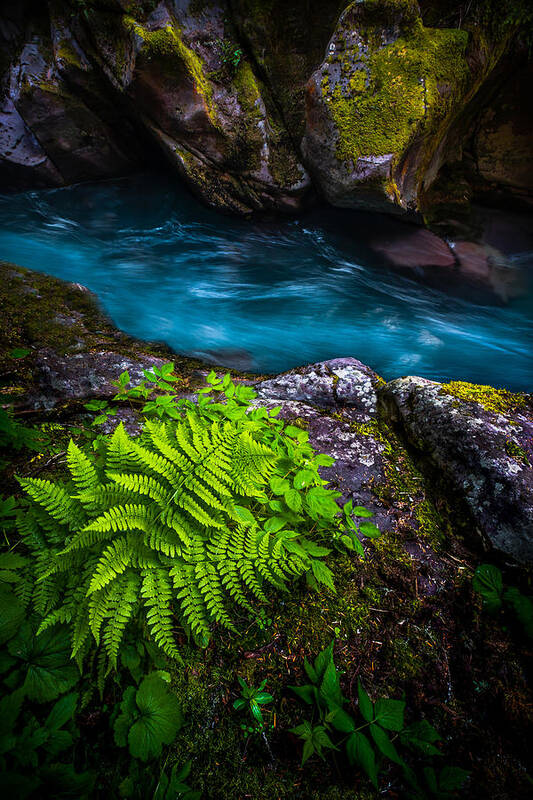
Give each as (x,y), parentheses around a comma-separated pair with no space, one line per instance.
(180,525)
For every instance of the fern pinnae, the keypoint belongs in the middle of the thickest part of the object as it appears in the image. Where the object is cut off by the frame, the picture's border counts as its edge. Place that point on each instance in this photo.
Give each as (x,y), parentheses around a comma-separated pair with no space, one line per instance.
(137,484)
(54,499)
(114,561)
(122,600)
(84,474)
(156,591)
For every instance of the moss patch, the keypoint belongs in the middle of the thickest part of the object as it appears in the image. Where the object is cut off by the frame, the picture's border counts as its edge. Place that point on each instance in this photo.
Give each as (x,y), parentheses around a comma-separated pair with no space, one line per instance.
(499,401)
(167,46)
(391,92)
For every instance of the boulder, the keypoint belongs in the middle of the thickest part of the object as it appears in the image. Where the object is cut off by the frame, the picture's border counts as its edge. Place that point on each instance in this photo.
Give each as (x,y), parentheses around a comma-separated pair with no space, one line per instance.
(383,103)
(481,441)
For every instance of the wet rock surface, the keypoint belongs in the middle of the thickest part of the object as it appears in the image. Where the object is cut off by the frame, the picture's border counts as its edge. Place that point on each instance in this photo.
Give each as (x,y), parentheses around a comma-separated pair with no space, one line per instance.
(259,106)
(486,455)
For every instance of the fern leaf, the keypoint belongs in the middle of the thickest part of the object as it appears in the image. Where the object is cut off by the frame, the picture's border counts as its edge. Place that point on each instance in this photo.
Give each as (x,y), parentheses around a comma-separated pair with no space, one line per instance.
(156,591)
(81,468)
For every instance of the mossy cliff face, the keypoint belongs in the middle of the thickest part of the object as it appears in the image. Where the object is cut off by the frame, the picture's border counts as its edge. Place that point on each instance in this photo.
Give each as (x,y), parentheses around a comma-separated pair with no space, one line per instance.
(387,84)
(156,79)
(96,88)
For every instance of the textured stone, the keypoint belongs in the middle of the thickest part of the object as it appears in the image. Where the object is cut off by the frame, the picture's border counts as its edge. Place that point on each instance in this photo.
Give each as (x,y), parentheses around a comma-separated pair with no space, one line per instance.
(486,456)
(338,382)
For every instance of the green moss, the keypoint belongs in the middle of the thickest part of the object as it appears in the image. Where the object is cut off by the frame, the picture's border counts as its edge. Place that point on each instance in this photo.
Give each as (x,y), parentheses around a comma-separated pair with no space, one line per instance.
(515,451)
(67,53)
(247,87)
(167,46)
(396,89)
(499,401)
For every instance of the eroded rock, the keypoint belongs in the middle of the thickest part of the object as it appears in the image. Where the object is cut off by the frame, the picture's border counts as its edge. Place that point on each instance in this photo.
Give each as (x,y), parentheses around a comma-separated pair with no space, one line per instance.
(483,447)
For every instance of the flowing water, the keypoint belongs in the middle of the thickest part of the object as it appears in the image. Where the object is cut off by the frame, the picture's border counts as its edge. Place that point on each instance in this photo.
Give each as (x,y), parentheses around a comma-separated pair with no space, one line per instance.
(266,296)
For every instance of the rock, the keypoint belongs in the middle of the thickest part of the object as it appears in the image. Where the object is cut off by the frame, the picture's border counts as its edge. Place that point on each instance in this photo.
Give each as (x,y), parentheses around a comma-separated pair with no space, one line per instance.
(343,382)
(416,249)
(503,144)
(483,447)
(84,375)
(390,105)
(100,85)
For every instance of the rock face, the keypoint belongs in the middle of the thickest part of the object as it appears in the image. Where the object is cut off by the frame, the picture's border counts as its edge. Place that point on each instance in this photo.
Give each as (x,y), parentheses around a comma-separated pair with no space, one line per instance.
(484,448)
(94,90)
(218,90)
(383,104)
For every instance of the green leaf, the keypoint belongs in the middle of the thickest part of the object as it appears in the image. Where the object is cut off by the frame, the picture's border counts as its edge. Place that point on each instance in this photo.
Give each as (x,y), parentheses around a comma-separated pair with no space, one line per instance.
(308,693)
(522,607)
(323,660)
(389,713)
(384,744)
(263,698)
(421,736)
(451,779)
(19,352)
(370,530)
(488,582)
(62,711)
(342,721)
(322,460)
(365,704)
(330,689)
(49,671)
(360,752)
(293,500)
(11,615)
(303,478)
(159,721)
(245,515)
(279,485)
(361,511)
(323,574)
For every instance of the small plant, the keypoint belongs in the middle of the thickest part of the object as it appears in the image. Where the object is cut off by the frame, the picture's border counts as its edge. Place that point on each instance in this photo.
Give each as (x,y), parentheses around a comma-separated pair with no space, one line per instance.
(371,738)
(142,783)
(231,54)
(252,699)
(154,397)
(488,582)
(150,717)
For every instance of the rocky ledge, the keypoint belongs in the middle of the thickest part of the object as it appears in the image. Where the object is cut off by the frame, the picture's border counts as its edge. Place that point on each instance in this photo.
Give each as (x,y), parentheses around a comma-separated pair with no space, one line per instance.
(471,446)
(446,471)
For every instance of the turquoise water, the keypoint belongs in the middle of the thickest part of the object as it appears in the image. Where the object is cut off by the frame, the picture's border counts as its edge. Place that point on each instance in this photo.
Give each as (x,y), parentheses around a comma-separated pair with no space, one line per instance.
(266,295)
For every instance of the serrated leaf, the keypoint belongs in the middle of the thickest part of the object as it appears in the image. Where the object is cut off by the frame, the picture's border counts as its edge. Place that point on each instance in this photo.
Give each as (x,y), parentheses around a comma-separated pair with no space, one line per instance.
(488,582)
(293,499)
(366,706)
(370,530)
(384,744)
(389,713)
(323,574)
(360,752)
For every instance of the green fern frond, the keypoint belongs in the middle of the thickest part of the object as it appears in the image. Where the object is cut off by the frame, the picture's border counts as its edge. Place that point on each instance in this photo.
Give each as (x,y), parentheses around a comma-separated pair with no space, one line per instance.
(54,499)
(122,601)
(157,593)
(114,561)
(83,473)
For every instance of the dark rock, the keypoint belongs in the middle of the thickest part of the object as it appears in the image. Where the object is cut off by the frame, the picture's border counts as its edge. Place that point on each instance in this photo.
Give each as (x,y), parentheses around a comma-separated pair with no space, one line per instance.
(79,377)
(343,382)
(486,456)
